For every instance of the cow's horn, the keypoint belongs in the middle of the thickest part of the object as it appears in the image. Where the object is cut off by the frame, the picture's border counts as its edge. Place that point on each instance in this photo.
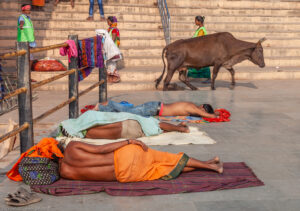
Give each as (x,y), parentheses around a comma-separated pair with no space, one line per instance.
(262,39)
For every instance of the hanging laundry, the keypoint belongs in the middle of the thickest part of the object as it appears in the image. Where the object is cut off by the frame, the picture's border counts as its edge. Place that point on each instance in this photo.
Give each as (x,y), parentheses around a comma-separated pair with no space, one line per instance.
(89,54)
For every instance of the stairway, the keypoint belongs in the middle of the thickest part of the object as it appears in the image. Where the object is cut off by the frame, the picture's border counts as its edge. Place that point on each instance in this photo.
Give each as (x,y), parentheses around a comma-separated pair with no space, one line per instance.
(142,38)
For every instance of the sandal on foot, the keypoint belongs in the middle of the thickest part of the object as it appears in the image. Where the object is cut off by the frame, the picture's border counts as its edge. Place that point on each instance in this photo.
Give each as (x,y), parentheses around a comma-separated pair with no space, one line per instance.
(22,198)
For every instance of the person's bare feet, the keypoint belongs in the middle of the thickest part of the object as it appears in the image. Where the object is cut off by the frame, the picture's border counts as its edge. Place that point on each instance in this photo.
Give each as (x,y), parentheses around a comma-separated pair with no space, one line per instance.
(102,18)
(96,108)
(90,18)
(218,167)
(183,127)
(215,160)
(72,3)
(56,2)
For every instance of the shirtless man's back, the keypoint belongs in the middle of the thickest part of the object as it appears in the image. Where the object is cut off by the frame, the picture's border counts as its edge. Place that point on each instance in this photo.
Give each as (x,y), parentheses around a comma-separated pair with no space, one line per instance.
(185,109)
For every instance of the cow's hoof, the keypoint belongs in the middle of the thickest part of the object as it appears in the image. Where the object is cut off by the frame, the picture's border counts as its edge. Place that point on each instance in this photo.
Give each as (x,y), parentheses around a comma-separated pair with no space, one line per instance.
(213,88)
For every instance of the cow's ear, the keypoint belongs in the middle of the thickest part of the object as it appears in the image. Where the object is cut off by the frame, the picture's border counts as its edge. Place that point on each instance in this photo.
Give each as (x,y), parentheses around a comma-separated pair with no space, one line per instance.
(262,40)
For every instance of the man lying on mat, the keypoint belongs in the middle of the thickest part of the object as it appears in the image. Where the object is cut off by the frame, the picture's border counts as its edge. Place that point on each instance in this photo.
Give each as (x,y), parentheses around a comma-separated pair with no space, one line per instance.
(127,161)
(112,125)
(154,108)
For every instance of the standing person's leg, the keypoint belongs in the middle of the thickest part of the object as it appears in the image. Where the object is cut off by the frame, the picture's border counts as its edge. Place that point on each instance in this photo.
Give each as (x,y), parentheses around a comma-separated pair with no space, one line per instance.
(91,11)
(72,3)
(102,18)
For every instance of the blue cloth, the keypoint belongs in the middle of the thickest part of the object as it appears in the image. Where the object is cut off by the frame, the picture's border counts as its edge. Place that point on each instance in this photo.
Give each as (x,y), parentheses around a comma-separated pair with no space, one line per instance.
(91,10)
(146,109)
(89,119)
(31,44)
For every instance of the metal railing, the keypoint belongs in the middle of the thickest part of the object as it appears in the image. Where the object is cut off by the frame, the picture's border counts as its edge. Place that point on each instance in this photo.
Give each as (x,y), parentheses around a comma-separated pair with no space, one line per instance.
(165,19)
(24,91)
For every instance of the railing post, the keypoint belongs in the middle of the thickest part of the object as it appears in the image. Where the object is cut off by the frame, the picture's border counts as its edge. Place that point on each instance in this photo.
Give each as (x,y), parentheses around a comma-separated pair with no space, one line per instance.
(73,82)
(103,87)
(24,99)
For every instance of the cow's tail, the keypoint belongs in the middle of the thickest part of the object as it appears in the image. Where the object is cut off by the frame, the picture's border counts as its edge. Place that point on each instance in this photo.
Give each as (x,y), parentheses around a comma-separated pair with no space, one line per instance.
(157,81)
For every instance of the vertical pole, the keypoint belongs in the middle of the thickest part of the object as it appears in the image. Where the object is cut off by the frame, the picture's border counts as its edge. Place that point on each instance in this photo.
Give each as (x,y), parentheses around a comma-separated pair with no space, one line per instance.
(24,99)
(73,82)
(103,87)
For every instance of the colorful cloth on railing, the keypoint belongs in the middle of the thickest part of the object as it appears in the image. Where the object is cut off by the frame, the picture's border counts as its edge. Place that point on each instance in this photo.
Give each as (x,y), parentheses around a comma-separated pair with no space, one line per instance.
(89,54)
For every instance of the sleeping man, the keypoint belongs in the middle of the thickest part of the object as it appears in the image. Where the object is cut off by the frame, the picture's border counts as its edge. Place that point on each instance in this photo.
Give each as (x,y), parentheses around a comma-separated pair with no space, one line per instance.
(127,161)
(156,108)
(112,125)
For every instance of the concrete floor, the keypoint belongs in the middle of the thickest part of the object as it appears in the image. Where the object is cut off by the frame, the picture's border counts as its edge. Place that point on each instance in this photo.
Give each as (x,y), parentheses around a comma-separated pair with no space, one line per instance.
(264,133)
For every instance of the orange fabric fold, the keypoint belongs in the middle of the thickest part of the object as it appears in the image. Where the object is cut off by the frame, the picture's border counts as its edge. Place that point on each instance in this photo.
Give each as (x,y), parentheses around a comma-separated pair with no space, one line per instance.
(45,148)
(133,164)
(39,3)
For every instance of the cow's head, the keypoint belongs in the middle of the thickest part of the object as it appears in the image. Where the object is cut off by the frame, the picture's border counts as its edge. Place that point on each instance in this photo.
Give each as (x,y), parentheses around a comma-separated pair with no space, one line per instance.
(257,56)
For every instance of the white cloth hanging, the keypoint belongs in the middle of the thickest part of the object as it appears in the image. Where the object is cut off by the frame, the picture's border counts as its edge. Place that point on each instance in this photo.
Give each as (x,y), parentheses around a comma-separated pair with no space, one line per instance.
(110,49)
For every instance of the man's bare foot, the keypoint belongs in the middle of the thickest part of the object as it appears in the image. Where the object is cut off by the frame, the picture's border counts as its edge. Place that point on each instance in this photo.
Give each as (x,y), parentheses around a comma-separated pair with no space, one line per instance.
(90,18)
(56,2)
(102,18)
(215,160)
(183,127)
(218,167)
(96,108)
(72,4)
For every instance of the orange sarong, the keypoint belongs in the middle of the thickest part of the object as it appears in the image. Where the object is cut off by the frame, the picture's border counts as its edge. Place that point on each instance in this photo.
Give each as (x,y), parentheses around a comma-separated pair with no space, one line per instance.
(46,148)
(133,164)
(39,3)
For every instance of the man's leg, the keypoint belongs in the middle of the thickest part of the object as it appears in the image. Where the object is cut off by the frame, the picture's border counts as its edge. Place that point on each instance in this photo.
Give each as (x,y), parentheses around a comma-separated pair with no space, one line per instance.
(214,165)
(146,109)
(91,11)
(182,127)
(101,10)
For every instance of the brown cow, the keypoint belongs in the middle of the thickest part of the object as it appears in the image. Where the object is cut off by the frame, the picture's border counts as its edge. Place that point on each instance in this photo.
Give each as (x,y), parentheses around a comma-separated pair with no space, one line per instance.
(218,50)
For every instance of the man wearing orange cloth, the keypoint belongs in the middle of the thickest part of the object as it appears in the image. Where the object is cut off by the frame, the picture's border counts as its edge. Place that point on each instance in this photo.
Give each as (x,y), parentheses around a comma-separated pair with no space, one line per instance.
(127,161)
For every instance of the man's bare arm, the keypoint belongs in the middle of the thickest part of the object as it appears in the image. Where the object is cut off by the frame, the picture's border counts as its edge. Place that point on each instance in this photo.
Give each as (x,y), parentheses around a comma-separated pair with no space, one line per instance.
(106,148)
(200,112)
(21,24)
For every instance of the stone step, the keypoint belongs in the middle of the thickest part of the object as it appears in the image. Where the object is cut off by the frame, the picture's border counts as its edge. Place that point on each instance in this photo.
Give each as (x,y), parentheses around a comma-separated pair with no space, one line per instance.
(41,24)
(57,15)
(157,61)
(133,74)
(234,4)
(180,34)
(62,16)
(235,18)
(173,4)
(154,42)
(134,80)
(130,51)
(227,26)
(84,8)
(82,2)
(248,12)
(177,26)
(82,33)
